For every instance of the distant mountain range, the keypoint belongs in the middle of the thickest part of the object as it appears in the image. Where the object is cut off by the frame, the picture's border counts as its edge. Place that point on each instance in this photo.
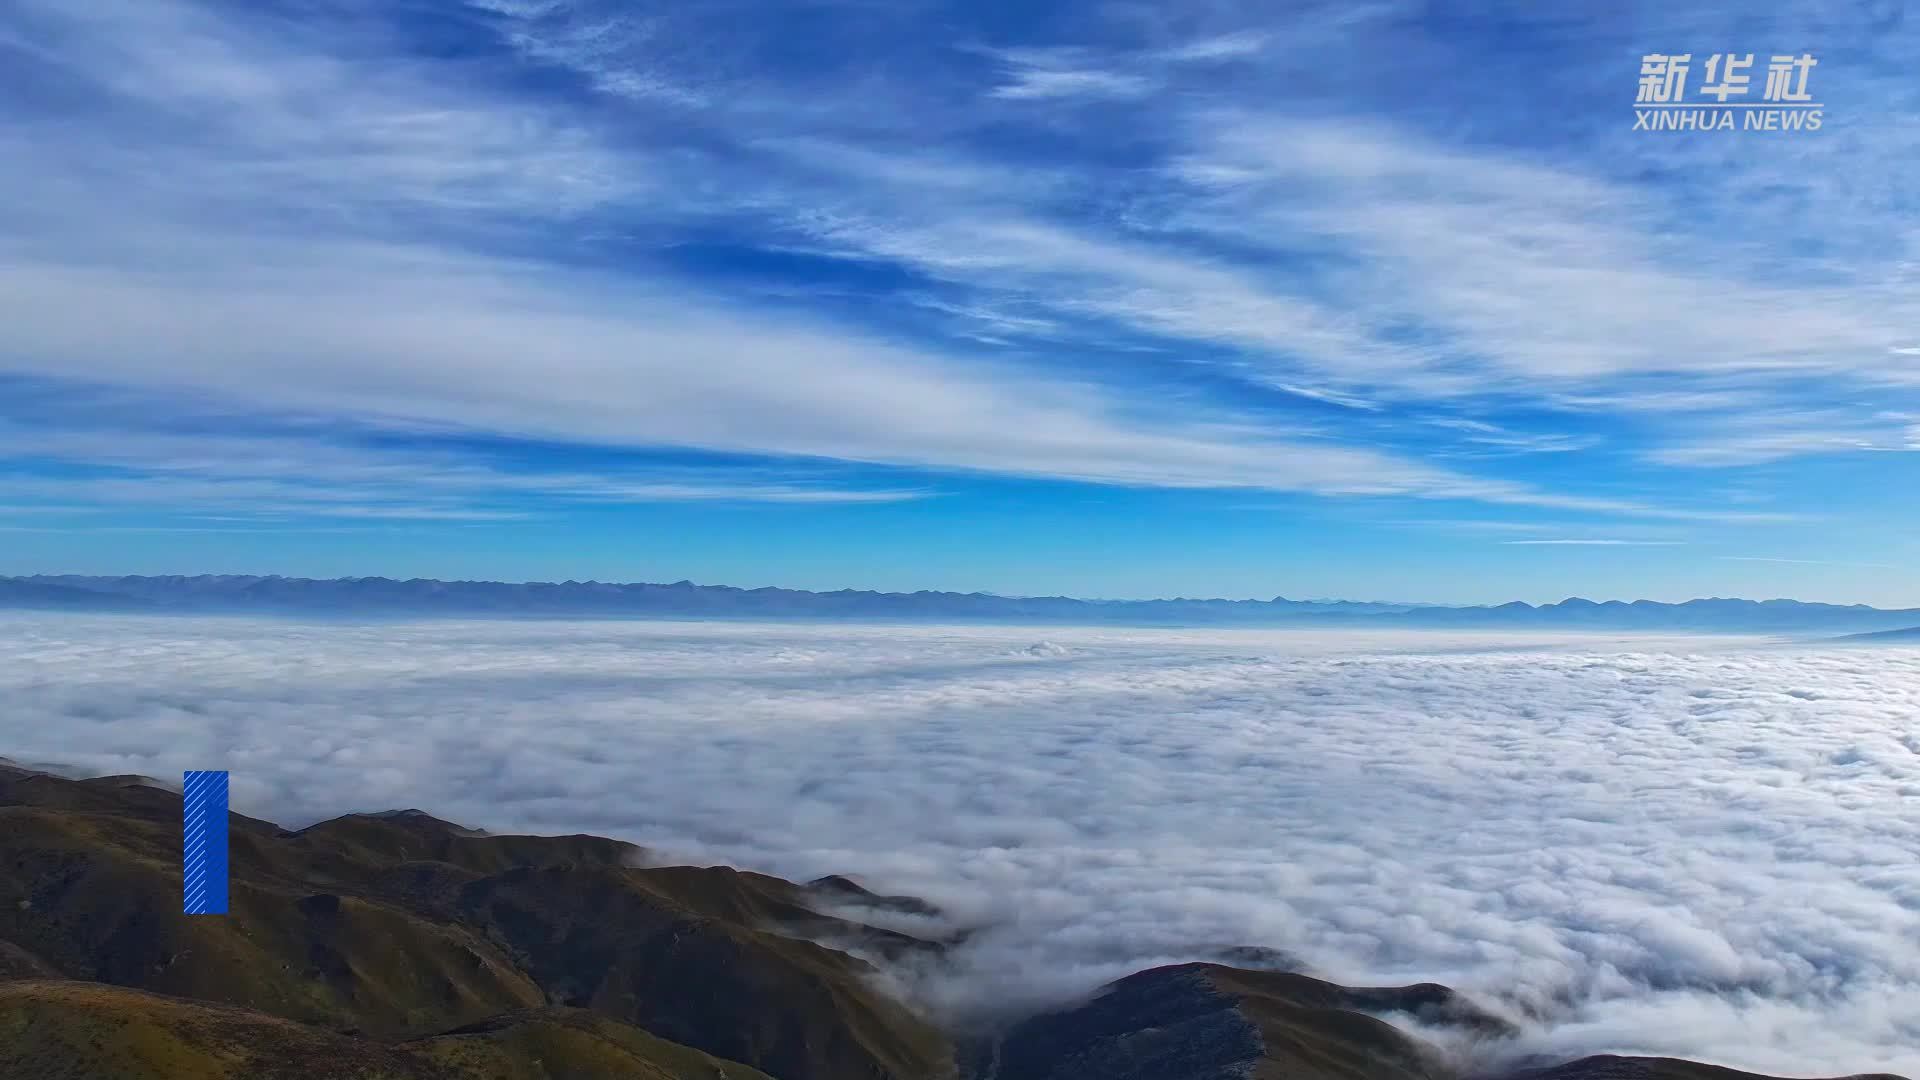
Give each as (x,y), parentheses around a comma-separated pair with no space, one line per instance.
(396,946)
(428,597)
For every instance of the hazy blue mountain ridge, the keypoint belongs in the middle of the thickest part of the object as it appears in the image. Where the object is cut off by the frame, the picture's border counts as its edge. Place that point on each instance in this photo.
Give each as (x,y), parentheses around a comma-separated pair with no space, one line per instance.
(424,596)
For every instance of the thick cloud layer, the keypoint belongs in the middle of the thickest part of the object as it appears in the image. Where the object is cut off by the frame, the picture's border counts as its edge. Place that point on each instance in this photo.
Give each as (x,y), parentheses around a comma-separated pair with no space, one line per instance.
(1700,847)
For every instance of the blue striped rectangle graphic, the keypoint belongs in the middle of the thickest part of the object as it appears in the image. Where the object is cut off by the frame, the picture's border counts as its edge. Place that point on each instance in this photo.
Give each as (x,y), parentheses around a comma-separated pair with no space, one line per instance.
(203,824)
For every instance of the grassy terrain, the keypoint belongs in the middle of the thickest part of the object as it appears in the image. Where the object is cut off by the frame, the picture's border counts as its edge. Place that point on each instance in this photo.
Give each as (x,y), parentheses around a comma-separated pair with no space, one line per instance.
(61,1030)
(397,927)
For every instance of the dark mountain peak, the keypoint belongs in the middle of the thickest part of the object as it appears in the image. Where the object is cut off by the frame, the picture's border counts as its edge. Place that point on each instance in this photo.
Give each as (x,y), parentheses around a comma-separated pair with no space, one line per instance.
(1213,1022)
(1615,1067)
(410,819)
(835,888)
(838,883)
(134,780)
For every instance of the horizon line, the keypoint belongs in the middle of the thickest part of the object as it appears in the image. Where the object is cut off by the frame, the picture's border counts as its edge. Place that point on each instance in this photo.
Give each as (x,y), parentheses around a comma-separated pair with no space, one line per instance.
(689,583)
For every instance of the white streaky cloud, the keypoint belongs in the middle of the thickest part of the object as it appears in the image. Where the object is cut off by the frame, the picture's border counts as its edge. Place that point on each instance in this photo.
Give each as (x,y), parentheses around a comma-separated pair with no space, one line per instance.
(1475,525)
(1528,280)
(333,126)
(1230,46)
(290,473)
(1130,281)
(608,47)
(297,221)
(247,163)
(1661,401)
(1544,274)
(1048,75)
(1332,397)
(1810,562)
(1049,83)
(528,350)
(241,270)
(1692,846)
(1481,433)
(389,519)
(1755,444)
(1595,542)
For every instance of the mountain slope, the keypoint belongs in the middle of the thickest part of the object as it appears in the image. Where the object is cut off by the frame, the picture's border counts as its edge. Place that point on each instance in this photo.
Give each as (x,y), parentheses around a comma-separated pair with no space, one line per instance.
(26,593)
(1207,1021)
(51,1030)
(1891,637)
(397,946)
(401,925)
(1611,1067)
(1211,1022)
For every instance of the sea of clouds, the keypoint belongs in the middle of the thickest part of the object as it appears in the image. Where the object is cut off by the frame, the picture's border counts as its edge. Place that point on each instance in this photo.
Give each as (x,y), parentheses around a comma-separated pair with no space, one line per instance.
(1690,846)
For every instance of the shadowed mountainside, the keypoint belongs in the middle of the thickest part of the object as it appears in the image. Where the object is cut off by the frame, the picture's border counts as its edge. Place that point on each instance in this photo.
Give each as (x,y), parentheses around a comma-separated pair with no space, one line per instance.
(50,1030)
(396,946)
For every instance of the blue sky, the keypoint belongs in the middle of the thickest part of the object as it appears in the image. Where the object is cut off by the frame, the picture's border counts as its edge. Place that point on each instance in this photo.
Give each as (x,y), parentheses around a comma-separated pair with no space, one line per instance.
(1382,301)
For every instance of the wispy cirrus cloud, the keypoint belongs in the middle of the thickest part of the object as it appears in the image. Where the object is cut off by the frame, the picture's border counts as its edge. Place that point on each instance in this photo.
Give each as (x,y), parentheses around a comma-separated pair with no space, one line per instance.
(1537,276)
(274,204)
(1809,562)
(1788,433)
(1050,74)
(279,473)
(444,334)
(1592,542)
